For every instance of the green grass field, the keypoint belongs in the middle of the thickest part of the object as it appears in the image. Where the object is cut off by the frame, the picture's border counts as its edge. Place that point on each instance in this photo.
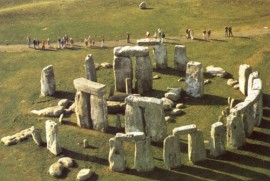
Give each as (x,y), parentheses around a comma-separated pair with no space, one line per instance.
(20,80)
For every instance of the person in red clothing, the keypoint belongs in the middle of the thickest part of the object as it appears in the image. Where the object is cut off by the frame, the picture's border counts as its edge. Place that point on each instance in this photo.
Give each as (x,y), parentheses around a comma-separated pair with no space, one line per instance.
(43,44)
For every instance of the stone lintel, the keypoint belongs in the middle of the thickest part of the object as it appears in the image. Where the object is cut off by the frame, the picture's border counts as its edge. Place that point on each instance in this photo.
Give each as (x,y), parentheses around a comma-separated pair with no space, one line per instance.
(131,136)
(88,86)
(183,130)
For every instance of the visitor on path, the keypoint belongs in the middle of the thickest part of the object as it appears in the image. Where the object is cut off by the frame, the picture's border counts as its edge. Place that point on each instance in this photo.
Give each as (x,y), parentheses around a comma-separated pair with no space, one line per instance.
(209,33)
(204,34)
(86,42)
(230,31)
(38,43)
(89,41)
(162,37)
(188,33)
(147,34)
(49,42)
(43,44)
(102,42)
(226,31)
(66,39)
(155,35)
(34,43)
(93,42)
(159,33)
(59,42)
(191,34)
(128,37)
(63,42)
(28,41)
(71,42)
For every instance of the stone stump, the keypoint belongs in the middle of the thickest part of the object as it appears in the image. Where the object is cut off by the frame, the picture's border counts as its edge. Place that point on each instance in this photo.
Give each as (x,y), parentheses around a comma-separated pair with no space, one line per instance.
(47,81)
(36,135)
(90,68)
(244,72)
(82,101)
(117,159)
(143,160)
(196,149)
(180,57)
(194,79)
(161,58)
(217,141)
(171,152)
(52,137)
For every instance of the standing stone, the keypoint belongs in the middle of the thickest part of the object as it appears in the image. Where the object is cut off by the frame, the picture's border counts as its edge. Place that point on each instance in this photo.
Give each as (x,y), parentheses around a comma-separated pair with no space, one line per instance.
(134,121)
(244,72)
(144,71)
(47,81)
(235,131)
(90,68)
(36,135)
(82,109)
(160,52)
(194,79)
(180,57)
(196,150)
(85,143)
(116,158)
(128,85)
(171,152)
(143,160)
(118,122)
(217,141)
(52,137)
(122,67)
(99,114)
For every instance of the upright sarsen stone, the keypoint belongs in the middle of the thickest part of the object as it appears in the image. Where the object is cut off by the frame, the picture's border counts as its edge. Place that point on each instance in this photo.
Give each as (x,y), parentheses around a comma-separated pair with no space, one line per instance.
(90,68)
(52,137)
(82,101)
(160,53)
(244,72)
(194,79)
(196,149)
(116,158)
(217,141)
(180,57)
(47,81)
(171,152)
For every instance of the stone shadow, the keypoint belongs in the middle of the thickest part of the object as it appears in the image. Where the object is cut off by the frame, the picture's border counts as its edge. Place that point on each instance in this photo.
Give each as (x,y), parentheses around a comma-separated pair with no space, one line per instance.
(112,130)
(258,149)
(217,40)
(64,95)
(207,99)
(154,93)
(170,71)
(265,124)
(260,136)
(266,101)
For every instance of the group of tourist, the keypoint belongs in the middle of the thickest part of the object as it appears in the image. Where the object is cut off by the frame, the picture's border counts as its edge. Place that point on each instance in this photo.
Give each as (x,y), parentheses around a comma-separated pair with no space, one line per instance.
(190,34)
(161,35)
(228,31)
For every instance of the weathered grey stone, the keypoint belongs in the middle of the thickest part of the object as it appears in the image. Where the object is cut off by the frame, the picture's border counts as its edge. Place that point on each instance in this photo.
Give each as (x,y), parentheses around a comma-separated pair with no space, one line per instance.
(131,51)
(148,41)
(61,118)
(169,119)
(88,86)
(235,132)
(36,135)
(232,82)
(47,81)
(99,114)
(194,79)
(183,130)
(217,140)
(254,82)
(116,158)
(171,152)
(174,94)
(54,111)
(84,174)
(167,104)
(236,86)
(216,71)
(82,111)
(134,120)
(128,82)
(207,81)
(144,71)
(131,136)
(106,65)
(122,67)
(90,68)
(196,149)
(180,57)
(66,162)
(85,143)
(160,54)
(56,169)
(244,72)
(63,102)
(52,137)
(143,160)
(115,107)
(118,97)
(142,5)
(177,112)
(180,106)
(14,139)
(118,122)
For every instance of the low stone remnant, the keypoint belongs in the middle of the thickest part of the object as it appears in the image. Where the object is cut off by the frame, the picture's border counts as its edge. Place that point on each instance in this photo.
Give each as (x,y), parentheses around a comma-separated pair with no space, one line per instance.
(174,94)
(183,130)
(106,65)
(171,152)
(67,162)
(196,149)
(244,72)
(161,58)
(169,119)
(14,139)
(85,143)
(90,68)
(180,57)
(116,158)
(207,81)
(52,137)
(217,141)
(180,106)
(232,82)
(56,169)
(54,111)
(236,86)
(61,118)
(84,174)
(167,104)
(194,79)
(177,112)
(47,81)
(36,135)
(142,5)
(156,77)
(216,71)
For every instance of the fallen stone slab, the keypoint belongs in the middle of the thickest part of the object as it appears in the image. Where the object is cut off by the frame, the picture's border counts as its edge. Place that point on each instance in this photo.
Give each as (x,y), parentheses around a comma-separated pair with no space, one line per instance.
(14,139)
(131,136)
(84,174)
(183,130)
(169,119)
(56,169)
(63,102)
(180,106)
(142,5)
(216,71)
(66,162)
(167,104)
(174,94)
(54,111)
(88,86)
(207,81)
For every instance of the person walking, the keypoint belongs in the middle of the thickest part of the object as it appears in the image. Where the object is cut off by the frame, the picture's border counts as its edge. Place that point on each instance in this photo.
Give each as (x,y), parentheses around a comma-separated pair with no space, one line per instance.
(59,42)
(43,44)
(128,37)
(49,42)
(204,34)
(209,33)
(34,43)
(226,31)
(162,37)
(71,42)
(28,41)
(86,42)
(102,42)
(230,31)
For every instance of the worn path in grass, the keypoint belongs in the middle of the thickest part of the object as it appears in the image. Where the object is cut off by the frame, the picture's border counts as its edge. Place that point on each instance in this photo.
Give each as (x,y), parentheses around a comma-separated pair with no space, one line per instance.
(173,40)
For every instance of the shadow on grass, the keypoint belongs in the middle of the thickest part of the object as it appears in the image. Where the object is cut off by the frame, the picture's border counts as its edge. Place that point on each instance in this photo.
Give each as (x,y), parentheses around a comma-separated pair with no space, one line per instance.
(258,149)
(217,40)
(260,136)
(112,130)
(64,95)
(69,123)
(243,37)
(170,71)
(266,101)
(83,157)
(155,93)
(64,173)
(207,99)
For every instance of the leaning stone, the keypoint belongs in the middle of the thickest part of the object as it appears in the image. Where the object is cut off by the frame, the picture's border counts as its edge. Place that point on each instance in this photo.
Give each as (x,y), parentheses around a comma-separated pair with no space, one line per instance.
(232,104)
(84,174)
(47,81)
(56,169)
(88,86)
(131,136)
(54,111)
(82,111)
(36,135)
(63,102)
(116,158)
(174,94)
(167,104)
(160,53)
(216,71)
(183,130)
(128,82)
(106,65)
(142,5)
(143,160)
(66,162)
(180,106)
(217,141)
(194,79)
(14,139)
(196,149)
(118,98)
(244,72)
(52,137)
(90,68)
(171,152)
(180,57)
(131,51)
(177,112)
(232,82)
